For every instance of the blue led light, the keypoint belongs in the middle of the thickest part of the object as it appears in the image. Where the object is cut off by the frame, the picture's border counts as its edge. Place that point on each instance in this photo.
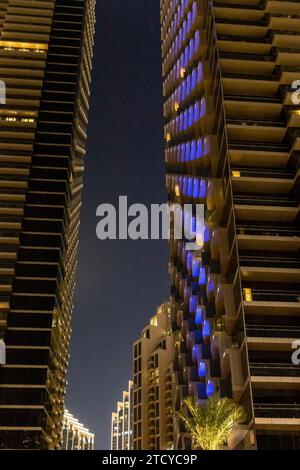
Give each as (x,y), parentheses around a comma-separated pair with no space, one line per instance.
(193,150)
(186,119)
(187,152)
(194,15)
(191,116)
(191,49)
(199,316)
(181,63)
(189,262)
(207,234)
(196,112)
(190,188)
(206,328)
(199,148)
(210,388)
(184,186)
(202,369)
(202,192)
(194,79)
(184,31)
(186,57)
(189,21)
(181,117)
(188,85)
(196,188)
(182,153)
(202,277)
(196,268)
(193,303)
(183,90)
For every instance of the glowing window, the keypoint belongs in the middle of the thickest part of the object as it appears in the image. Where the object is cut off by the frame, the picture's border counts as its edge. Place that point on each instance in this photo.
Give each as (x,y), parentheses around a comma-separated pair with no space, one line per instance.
(247,295)
(236,174)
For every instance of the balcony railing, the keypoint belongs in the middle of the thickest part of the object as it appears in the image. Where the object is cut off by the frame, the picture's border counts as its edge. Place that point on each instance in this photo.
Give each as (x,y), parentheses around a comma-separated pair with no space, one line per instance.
(280,410)
(274,369)
(273,331)
(275,296)
(261,262)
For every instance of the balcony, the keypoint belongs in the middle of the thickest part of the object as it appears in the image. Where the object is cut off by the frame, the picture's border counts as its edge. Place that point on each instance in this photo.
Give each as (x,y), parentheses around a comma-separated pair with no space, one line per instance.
(258,158)
(279,410)
(273,331)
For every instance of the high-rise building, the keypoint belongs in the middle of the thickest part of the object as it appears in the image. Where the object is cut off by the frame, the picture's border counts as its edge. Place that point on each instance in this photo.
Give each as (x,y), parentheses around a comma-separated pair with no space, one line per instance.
(45,62)
(232,114)
(121,424)
(74,435)
(152,384)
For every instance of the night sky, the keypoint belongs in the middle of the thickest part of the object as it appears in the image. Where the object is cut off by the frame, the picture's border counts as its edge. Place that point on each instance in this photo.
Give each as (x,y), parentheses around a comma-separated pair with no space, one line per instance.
(119,283)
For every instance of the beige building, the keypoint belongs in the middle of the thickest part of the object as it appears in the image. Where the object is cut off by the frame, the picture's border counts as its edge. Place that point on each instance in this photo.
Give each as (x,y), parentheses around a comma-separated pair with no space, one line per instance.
(75,436)
(232,113)
(121,423)
(152,397)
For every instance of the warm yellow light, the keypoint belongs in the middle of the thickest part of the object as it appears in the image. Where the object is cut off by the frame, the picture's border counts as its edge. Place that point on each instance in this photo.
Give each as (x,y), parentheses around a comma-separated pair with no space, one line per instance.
(236,174)
(23,45)
(182,72)
(296,111)
(177,190)
(247,295)
(176,106)
(168,137)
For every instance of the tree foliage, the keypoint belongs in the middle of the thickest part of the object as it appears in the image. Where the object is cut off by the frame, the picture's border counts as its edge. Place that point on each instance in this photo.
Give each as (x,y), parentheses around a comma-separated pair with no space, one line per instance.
(211,425)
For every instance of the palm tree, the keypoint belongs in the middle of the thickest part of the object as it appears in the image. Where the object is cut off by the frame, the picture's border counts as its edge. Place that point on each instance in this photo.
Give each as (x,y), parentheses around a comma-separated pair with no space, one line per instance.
(211,425)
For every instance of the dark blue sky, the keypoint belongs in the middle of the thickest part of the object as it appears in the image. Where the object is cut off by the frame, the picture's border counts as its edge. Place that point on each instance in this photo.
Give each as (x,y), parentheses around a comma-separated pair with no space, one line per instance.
(119,283)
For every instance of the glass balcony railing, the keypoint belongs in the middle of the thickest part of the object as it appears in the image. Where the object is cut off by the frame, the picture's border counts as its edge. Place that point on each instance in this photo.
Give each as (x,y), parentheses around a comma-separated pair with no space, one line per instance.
(266,231)
(274,262)
(274,370)
(273,331)
(262,200)
(280,410)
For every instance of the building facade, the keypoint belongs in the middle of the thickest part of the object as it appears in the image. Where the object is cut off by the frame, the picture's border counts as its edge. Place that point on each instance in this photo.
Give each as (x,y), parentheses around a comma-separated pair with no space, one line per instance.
(152,384)
(232,129)
(74,435)
(45,64)
(121,423)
